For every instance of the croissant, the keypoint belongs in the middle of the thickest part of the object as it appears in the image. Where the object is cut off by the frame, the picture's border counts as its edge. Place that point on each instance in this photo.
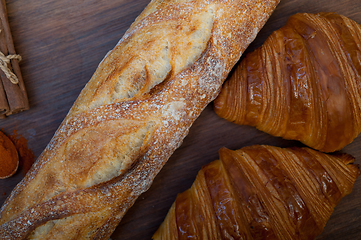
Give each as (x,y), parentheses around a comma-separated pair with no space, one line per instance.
(302,84)
(261,192)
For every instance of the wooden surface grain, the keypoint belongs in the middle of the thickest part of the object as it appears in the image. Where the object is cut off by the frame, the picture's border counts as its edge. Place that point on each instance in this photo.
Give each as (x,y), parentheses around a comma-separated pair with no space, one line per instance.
(63,41)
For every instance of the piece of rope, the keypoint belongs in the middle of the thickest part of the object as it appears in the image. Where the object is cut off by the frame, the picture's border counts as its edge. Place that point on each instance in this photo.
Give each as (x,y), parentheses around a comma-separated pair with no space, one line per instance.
(4,61)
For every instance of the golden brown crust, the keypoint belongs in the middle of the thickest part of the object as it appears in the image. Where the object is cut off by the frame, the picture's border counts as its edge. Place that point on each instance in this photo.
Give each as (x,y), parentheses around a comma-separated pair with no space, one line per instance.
(130,117)
(261,192)
(302,84)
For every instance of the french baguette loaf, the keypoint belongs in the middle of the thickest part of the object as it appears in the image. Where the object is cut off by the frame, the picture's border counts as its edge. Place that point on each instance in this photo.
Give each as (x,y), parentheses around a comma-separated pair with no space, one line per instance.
(130,117)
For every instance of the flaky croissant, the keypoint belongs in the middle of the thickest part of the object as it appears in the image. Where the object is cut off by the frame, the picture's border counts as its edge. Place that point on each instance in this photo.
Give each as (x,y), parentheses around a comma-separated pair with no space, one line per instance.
(261,192)
(302,84)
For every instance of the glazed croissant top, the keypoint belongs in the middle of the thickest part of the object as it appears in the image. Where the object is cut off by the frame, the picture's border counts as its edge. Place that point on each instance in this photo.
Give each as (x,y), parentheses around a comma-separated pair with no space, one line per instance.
(130,117)
(261,192)
(303,83)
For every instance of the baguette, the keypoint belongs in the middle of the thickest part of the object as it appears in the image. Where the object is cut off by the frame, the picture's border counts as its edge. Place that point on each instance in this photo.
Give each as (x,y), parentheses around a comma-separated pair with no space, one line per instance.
(130,117)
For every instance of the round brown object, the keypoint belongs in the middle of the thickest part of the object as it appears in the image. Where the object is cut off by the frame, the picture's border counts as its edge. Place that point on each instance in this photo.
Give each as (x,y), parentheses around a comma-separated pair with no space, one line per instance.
(9,157)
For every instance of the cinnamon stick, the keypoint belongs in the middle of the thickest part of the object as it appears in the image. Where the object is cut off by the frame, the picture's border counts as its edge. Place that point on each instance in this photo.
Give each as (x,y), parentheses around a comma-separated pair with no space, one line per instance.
(4,106)
(15,93)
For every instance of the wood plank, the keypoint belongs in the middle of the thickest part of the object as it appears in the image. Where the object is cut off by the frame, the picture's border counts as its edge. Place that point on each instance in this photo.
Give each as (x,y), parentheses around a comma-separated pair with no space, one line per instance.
(62,42)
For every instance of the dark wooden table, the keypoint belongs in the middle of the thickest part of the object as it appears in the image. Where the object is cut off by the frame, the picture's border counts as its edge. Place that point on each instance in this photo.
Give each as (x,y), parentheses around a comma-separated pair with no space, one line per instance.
(62,42)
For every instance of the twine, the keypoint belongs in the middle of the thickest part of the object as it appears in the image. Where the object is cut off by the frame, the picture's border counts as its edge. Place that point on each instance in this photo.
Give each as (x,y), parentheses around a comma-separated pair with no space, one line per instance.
(4,61)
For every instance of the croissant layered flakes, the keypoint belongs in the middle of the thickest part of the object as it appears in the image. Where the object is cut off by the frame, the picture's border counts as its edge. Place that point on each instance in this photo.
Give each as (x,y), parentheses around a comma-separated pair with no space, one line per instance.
(302,84)
(261,192)
(130,117)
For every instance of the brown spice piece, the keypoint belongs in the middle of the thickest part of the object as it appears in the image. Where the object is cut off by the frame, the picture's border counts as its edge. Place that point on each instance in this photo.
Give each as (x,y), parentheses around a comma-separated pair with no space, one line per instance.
(13,96)
(9,157)
(27,156)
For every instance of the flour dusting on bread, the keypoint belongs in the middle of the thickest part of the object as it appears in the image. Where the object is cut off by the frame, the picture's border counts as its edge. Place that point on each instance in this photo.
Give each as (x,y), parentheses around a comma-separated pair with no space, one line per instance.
(130,117)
